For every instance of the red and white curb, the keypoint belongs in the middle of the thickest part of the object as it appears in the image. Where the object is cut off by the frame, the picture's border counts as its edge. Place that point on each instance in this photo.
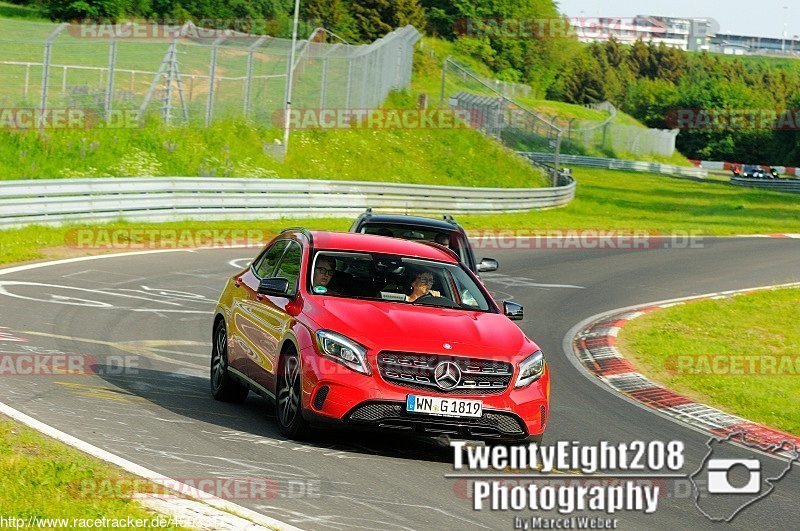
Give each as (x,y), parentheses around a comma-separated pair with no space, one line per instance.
(594,342)
(728,166)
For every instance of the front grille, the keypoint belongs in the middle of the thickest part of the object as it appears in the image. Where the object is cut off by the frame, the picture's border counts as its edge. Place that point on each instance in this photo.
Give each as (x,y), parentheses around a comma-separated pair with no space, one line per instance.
(393,415)
(416,371)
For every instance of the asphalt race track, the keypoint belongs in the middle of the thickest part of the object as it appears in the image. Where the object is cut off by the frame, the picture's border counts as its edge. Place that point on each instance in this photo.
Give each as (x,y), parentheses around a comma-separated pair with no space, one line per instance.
(155,309)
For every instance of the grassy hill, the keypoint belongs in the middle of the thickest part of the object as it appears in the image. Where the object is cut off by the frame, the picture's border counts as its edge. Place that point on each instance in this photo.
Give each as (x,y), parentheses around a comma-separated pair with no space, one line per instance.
(8,10)
(431,54)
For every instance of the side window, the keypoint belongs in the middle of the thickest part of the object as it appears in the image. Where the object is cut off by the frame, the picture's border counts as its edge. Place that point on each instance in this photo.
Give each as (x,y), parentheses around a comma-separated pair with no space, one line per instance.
(289,267)
(266,264)
(462,252)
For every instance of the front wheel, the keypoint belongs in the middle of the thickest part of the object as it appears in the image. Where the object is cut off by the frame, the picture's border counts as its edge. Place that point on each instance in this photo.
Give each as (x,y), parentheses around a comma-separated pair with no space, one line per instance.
(223,387)
(288,403)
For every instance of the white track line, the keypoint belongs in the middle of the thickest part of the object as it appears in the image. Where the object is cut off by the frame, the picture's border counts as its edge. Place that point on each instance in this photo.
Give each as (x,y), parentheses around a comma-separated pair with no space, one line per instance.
(213,501)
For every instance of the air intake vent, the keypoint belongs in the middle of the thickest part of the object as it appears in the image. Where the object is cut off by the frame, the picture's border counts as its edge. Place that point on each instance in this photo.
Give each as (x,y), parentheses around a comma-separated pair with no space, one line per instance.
(319,398)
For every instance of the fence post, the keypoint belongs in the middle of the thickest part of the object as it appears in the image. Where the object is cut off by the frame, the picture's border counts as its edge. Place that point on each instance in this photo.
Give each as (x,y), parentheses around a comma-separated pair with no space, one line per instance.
(365,68)
(444,78)
(48,49)
(27,79)
(401,49)
(212,74)
(324,82)
(112,59)
(173,50)
(248,84)
(557,157)
(349,82)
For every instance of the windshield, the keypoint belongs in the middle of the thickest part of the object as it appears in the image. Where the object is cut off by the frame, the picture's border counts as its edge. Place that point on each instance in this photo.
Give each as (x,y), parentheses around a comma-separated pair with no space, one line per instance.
(395,278)
(447,238)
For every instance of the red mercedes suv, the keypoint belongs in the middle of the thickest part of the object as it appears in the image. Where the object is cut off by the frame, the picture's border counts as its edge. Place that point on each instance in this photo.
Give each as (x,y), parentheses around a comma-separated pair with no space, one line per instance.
(376,332)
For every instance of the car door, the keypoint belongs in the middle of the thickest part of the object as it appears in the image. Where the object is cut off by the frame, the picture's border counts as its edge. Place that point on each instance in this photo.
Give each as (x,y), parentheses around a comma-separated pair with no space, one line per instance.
(248,340)
(272,318)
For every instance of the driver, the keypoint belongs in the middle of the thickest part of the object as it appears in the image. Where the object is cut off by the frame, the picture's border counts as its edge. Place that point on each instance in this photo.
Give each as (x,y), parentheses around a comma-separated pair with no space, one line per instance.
(421,286)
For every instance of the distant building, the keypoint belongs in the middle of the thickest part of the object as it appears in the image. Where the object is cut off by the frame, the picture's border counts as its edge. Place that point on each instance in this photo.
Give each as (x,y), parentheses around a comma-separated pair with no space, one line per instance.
(685,33)
(682,33)
(747,45)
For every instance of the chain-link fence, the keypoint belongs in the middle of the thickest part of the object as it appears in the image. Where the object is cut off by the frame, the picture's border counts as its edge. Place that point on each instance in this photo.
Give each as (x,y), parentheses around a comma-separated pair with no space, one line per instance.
(614,138)
(523,129)
(185,73)
(496,113)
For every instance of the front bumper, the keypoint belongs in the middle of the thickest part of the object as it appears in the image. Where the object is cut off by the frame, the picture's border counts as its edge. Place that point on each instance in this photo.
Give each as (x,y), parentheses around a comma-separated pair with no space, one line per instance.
(336,394)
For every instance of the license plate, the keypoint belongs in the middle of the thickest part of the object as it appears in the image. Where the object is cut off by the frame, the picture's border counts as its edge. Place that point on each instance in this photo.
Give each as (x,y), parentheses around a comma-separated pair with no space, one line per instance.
(443,407)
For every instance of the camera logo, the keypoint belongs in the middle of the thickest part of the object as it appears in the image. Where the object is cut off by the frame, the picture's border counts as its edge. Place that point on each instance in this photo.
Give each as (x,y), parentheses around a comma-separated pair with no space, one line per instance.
(737,472)
(720,483)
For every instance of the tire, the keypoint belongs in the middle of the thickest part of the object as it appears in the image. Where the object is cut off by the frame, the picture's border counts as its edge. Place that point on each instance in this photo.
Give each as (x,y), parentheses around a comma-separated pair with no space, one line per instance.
(288,398)
(223,386)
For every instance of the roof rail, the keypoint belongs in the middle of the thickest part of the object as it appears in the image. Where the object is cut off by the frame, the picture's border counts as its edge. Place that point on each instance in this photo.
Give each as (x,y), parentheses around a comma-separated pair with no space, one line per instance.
(440,247)
(305,231)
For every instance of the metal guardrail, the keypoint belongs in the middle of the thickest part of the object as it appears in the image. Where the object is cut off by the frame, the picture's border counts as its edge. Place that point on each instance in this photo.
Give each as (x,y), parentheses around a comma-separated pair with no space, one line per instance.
(778,185)
(59,201)
(617,164)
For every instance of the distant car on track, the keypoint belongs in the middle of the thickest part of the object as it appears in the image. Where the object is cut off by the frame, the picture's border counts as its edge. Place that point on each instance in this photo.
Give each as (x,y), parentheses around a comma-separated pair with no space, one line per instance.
(445,231)
(323,324)
(750,171)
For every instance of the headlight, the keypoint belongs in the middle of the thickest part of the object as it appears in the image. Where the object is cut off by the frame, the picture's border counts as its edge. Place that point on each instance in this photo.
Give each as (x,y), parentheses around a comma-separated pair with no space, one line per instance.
(530,369)
(343,350)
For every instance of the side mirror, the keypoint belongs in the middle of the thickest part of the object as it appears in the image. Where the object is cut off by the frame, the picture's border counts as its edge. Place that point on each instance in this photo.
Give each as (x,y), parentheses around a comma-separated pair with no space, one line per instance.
(275,286)
(487,264)
(513,311)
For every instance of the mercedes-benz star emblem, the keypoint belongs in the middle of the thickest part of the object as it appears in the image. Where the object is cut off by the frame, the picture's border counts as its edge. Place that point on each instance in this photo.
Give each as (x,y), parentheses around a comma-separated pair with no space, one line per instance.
(447,375)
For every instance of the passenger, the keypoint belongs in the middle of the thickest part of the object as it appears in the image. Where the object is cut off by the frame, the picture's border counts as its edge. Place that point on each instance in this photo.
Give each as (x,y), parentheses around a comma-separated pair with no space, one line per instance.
(442,239)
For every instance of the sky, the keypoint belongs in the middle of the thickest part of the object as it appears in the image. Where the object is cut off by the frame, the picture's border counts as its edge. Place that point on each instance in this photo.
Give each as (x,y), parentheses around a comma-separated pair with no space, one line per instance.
(761,18)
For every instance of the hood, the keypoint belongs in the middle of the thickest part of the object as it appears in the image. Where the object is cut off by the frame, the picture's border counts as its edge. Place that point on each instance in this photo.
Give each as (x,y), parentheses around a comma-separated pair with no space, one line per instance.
(380,325)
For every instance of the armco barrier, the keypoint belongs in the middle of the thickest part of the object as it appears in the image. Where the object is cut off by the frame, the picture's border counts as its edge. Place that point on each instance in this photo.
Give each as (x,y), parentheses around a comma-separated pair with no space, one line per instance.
(61,201)
(617,164)
(778,185)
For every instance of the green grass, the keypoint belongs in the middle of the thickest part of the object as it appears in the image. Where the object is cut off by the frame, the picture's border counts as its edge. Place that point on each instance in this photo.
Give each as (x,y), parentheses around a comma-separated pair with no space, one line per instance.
(8,10)
(762,325)
(628,200)
(605,200)
(43,478)
(239,149)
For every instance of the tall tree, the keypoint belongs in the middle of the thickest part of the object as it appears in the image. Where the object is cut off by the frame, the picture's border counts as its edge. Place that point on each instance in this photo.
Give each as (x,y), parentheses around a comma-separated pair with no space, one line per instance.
(376,18)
